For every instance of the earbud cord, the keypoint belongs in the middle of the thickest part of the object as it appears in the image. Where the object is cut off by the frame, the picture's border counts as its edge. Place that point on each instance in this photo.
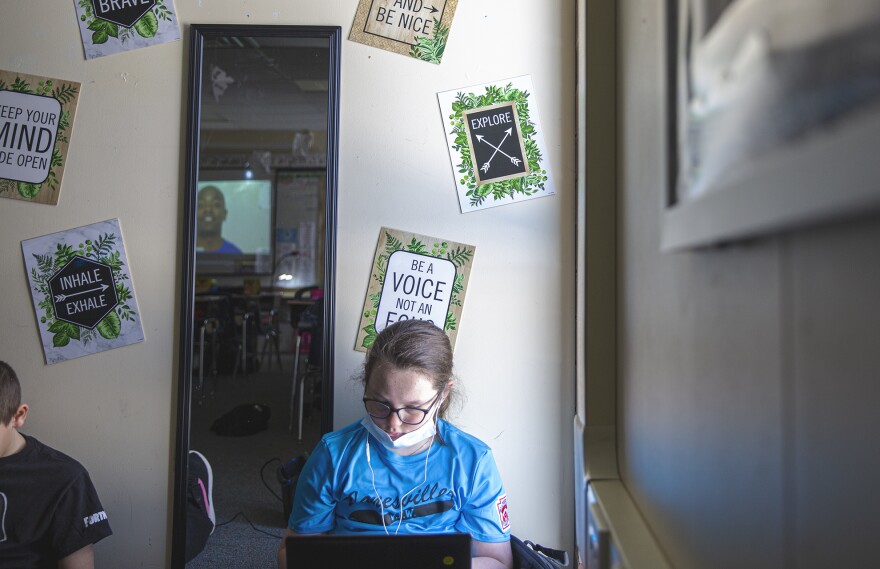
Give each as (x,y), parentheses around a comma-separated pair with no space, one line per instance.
(378,497)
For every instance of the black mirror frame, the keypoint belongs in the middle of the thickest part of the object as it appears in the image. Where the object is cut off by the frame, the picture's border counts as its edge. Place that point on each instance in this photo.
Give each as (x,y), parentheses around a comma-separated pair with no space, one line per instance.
(198,33)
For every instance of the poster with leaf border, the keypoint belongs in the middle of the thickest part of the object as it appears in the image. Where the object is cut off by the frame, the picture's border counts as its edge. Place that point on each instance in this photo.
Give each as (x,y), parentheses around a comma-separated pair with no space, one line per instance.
(417,28)
(415,277)
(82,291)
(36,121)
(114,26)
(496,143)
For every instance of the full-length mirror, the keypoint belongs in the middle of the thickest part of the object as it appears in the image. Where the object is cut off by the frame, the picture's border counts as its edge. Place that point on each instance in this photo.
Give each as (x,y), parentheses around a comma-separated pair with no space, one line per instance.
(256,322)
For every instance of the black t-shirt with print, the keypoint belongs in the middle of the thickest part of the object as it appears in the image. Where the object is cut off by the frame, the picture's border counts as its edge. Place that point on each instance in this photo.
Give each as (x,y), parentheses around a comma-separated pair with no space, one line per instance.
(48,508)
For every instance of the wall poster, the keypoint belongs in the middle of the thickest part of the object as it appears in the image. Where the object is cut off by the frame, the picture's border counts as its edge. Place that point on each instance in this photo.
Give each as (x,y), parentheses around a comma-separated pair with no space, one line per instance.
(417,28)
(415,277)
(82,291)
(36,119)
(113,26)
(496,143)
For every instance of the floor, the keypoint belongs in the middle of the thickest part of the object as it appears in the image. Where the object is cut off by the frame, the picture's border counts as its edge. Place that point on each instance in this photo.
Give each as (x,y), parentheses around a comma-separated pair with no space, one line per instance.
(246,491)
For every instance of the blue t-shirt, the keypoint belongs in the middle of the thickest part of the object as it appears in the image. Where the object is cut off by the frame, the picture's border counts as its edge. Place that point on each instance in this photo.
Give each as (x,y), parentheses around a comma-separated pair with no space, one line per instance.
(227,247)
(462,493)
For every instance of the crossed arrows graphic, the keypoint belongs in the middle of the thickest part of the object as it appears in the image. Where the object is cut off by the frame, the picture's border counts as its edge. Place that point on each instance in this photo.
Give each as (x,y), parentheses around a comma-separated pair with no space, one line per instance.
(60,297)
(513,160)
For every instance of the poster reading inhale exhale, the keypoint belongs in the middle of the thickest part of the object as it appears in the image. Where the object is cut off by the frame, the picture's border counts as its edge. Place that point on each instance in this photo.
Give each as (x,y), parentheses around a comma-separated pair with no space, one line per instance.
(415,277)
(82,291)
(417,28)
(112,26)
(496,143)
(36,119)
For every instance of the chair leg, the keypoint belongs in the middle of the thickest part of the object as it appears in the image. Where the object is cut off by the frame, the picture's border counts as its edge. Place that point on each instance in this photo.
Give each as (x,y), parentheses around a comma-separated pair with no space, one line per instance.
(263,353)
(293,383)
(277,343)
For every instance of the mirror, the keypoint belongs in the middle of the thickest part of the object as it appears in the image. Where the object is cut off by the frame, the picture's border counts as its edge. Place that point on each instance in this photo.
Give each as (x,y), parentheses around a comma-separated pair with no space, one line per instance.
(255,371)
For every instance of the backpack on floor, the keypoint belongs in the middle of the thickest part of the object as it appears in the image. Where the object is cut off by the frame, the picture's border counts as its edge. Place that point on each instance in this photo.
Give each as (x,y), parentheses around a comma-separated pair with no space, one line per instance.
(529,555)
(245,419)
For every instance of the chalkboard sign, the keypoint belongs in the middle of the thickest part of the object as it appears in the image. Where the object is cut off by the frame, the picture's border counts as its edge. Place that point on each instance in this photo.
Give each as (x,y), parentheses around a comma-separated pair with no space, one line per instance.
(496,143)
(83,292)
(122,12)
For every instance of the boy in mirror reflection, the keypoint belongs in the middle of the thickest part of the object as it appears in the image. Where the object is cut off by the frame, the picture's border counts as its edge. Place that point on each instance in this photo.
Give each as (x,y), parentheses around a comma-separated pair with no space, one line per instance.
(210,214)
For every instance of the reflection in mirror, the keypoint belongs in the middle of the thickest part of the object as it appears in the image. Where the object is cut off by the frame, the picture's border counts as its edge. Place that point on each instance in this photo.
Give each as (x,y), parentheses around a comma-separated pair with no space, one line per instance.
(255,387)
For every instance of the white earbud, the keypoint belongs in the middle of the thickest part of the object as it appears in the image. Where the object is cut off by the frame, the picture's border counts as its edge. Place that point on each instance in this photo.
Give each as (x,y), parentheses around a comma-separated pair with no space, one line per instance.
(379,498)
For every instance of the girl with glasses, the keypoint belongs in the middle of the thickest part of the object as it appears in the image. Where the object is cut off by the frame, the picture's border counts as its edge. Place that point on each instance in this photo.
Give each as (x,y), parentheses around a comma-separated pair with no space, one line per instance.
(403,469)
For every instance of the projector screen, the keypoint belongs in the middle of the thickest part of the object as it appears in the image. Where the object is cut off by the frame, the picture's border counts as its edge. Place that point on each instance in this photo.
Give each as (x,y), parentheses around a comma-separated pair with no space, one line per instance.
(234,227)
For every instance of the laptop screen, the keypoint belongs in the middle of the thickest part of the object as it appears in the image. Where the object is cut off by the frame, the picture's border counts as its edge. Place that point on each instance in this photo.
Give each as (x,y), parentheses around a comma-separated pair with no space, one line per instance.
(431,551)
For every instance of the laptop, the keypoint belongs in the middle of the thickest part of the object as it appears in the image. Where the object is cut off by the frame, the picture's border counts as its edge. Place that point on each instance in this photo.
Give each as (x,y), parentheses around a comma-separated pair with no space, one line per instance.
(423,551)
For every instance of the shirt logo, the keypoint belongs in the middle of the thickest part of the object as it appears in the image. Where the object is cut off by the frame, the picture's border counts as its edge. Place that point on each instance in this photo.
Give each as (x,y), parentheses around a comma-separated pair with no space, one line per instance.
(503,518)
(94,518)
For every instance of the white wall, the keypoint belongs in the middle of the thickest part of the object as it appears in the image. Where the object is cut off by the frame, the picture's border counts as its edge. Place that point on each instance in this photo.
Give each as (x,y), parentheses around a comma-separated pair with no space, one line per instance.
(115,411)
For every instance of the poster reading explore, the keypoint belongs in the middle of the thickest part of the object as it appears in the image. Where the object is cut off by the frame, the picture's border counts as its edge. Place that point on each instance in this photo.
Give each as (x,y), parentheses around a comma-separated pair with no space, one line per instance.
(415,277)
(496,143)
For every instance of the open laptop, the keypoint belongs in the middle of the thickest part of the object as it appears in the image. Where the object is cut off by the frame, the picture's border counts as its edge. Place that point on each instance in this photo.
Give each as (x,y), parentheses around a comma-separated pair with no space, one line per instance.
(429,551)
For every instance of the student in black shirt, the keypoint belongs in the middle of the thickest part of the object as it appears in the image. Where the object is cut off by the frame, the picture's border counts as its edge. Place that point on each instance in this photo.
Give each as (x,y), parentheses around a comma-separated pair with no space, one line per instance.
(50,514)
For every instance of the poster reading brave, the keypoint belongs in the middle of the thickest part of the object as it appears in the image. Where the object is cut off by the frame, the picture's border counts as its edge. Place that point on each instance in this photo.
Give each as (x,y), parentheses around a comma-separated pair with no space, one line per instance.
(36,120)
(496,143)
(415,277)
(112,26)
(82,291)
(417,28)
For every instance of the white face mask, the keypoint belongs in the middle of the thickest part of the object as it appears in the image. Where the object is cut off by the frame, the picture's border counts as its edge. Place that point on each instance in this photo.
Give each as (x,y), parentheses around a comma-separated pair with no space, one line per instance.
(427,430)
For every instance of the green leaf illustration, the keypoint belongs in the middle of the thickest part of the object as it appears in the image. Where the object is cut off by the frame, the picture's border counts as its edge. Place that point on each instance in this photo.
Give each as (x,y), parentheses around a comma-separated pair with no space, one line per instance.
(103,30)
(450,323)
(64,93)
(110,326)
(71,331)
(392,244)
(431,49)
(21,86)
(60,340)
(147,25)
(416,246)
(459,256)
(370,337)
(28,191)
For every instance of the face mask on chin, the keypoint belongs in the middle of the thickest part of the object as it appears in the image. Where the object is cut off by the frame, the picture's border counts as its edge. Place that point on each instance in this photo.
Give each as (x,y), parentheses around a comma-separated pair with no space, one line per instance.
(425,431)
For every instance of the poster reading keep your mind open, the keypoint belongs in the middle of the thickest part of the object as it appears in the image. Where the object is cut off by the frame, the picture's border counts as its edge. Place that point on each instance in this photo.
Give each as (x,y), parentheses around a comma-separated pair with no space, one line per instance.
(36,121)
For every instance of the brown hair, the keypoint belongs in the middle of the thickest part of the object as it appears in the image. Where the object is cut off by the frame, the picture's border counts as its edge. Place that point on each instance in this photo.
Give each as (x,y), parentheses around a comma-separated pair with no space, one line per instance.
(10,393)
(414,345)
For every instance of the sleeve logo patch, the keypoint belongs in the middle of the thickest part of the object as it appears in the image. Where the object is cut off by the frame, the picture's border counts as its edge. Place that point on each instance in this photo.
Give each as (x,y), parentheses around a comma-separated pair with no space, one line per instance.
(94,518)
(503,518)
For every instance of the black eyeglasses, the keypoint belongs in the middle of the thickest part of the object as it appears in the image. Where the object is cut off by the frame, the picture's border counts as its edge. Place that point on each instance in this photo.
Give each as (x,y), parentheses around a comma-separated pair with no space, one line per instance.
(408,415)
